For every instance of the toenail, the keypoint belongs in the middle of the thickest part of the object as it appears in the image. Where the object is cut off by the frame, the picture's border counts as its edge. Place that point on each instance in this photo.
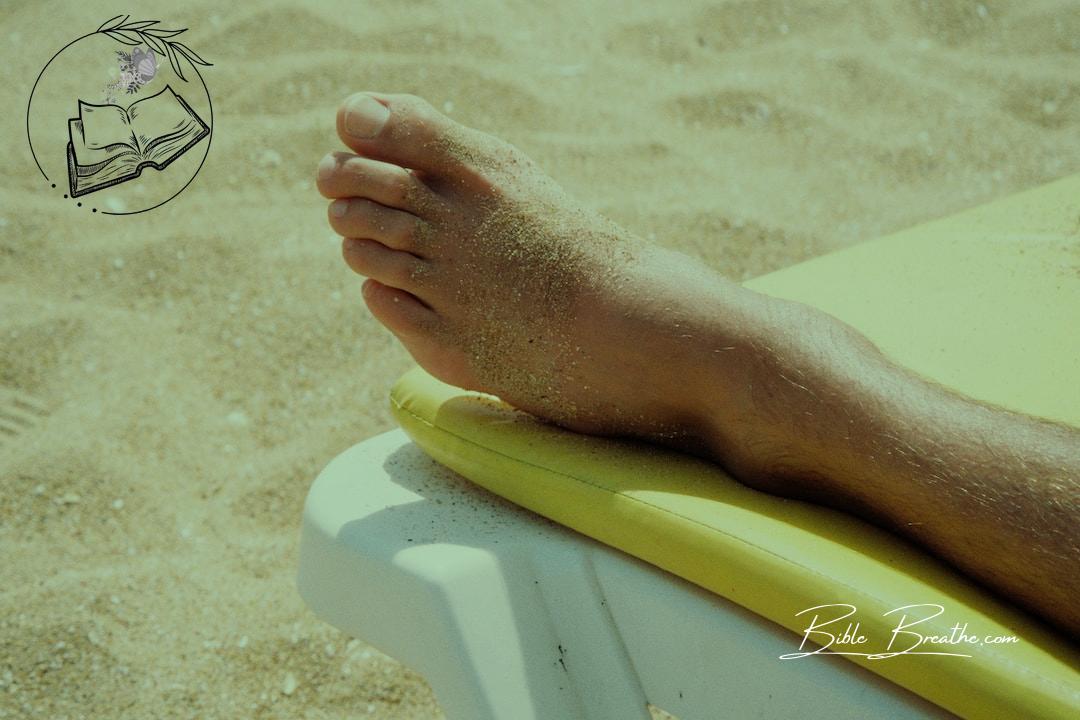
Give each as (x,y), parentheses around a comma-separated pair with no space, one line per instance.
(338,208)
(364,116)
(326,167)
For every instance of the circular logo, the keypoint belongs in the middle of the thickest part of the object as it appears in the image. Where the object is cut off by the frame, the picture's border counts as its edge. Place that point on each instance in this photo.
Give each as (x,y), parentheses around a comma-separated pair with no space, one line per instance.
(119,121)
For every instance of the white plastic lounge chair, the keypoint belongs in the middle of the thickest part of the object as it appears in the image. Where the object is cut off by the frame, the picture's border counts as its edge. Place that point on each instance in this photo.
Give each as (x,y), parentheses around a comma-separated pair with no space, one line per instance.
(677,586)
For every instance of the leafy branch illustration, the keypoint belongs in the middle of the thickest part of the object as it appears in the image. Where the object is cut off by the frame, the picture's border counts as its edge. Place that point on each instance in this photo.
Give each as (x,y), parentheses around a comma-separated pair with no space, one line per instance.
(156,38)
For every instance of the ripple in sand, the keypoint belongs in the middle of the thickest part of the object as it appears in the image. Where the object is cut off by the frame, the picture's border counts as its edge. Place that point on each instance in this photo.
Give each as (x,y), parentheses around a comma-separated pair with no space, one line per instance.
(19,412)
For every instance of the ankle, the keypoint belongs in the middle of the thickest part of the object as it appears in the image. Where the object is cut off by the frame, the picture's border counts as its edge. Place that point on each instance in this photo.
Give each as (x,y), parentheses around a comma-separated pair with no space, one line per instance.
(782,386)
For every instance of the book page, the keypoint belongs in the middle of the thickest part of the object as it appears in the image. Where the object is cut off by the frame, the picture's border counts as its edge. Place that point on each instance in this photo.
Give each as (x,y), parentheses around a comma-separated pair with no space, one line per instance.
(93,158)
(105,125)
(99,166)
(159,117)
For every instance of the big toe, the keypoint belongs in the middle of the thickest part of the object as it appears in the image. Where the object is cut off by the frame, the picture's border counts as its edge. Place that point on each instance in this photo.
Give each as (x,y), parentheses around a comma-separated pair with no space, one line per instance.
(402,129)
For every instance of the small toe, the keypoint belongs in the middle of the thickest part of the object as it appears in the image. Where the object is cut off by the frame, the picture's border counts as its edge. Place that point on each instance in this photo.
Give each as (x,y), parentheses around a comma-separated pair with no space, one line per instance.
(422,331)
(344,174)
(401,312)
(390,267)
(360,217)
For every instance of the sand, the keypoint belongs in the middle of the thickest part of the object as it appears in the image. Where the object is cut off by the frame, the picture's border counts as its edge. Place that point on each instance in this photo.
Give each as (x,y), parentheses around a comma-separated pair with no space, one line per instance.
(181,376)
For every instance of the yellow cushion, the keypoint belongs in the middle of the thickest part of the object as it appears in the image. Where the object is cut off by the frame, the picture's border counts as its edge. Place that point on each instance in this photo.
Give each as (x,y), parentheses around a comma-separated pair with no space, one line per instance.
(987,302)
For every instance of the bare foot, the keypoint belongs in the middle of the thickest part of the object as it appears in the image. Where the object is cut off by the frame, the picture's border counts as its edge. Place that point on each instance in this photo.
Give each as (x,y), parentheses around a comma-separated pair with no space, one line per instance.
(496,281)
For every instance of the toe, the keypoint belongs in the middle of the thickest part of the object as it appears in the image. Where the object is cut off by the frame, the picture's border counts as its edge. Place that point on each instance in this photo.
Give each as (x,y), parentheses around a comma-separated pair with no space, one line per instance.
(390,267)
(404,130)
(421,331)
(401,312)
(343,174)
(359,217)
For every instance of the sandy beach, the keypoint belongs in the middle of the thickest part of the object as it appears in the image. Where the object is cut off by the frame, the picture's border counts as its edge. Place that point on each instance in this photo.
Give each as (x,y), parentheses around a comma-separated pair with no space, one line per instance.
(174,380)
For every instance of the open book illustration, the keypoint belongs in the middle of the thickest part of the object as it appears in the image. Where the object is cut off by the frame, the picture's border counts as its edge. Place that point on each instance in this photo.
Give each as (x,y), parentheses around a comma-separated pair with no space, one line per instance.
(110,145)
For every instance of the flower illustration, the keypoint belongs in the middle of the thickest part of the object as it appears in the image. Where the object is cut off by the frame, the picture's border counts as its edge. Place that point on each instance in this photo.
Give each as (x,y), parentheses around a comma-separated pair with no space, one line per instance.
(136,70)
(139,67)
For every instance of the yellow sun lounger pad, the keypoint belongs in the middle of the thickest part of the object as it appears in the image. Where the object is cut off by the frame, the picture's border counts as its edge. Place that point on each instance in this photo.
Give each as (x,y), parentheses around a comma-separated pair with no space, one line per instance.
(986,302)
